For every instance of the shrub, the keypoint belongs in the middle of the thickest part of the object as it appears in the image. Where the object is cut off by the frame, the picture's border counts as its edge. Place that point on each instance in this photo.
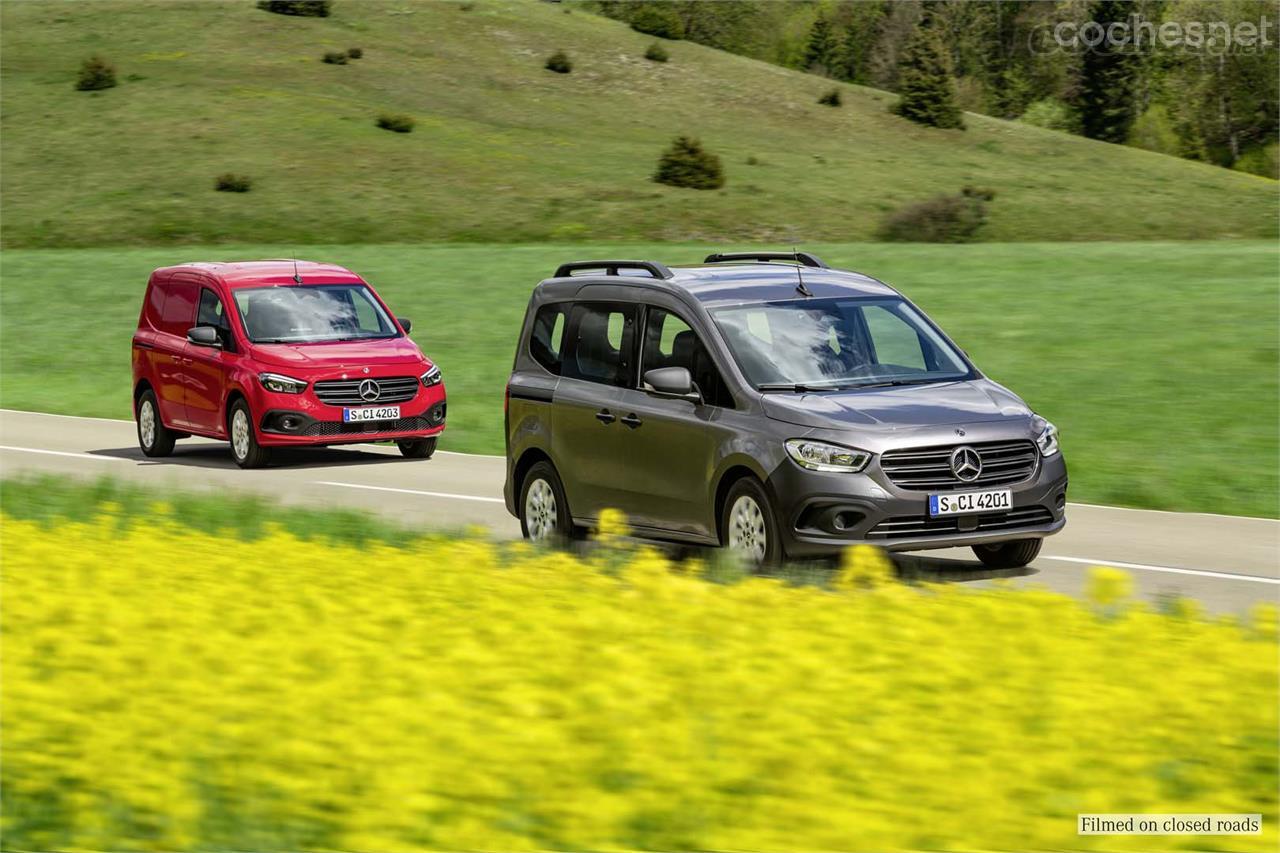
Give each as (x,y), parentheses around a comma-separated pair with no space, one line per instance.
(232,183)
(686,164)
(658,19)
(355,52)
(301,8)
(753,160)
(1052,114)
(656,53)
(608,700)
(830,99)
(335,57)
(96,73)
(398,122)
(941,219)
(559,62)
(1263,160)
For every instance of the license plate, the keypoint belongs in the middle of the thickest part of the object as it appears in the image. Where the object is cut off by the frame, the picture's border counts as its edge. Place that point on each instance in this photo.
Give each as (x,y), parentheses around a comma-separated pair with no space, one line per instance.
(372,413)
(967,502)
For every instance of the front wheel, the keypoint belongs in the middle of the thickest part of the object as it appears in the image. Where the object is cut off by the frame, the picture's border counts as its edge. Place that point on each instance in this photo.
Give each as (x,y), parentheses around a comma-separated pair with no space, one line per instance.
(1009,555)
(244,443)
(418,448)
(748,527)
(154,437)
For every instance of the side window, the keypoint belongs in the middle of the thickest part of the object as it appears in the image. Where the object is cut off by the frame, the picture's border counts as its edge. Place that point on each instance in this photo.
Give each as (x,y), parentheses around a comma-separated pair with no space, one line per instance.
(211,313)
(601,344)
(546,343)
(669,342)
(896,342)
(179,312)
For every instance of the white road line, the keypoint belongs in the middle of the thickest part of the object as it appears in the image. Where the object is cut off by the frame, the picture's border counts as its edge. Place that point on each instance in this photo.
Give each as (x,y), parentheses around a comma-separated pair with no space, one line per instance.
(67,453)
(1174,512)
(1170,569)
(412,492)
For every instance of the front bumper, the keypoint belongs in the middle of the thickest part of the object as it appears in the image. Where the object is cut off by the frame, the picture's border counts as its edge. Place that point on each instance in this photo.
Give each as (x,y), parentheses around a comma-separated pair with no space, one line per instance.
(297,420)
(821,513)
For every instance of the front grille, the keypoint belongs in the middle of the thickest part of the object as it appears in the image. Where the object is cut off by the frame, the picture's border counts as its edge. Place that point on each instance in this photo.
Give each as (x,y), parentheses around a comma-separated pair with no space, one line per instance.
(928,469)
(346,392)
(911,526)
(332,428)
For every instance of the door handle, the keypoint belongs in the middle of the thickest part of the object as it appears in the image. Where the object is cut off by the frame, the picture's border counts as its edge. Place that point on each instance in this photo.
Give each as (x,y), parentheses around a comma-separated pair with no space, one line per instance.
(632,421)
(604,416)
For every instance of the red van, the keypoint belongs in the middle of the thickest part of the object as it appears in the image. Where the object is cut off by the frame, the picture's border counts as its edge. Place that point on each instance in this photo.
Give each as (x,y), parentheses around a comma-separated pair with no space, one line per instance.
(277,354)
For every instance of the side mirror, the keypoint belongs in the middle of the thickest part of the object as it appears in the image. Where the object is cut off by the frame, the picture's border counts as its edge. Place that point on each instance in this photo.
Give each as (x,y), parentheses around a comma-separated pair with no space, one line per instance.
(672,382)
(204,336)
(406,324)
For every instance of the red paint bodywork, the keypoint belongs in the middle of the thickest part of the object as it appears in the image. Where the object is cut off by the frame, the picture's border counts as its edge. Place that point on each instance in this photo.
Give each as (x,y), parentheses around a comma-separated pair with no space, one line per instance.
(194,384)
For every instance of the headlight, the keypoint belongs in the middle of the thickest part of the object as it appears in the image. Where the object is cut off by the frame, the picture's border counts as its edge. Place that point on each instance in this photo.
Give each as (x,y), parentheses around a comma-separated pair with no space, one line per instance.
(431,377)
(1046,435)
(820,456)
(281,384)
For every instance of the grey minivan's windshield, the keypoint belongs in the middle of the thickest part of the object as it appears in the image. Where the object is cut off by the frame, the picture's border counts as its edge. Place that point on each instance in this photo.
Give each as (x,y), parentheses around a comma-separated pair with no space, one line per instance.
(837,343)
(312,314)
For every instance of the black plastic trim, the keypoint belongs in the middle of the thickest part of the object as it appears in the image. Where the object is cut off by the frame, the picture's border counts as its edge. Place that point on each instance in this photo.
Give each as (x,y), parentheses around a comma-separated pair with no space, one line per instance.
(802,258)
(654,268)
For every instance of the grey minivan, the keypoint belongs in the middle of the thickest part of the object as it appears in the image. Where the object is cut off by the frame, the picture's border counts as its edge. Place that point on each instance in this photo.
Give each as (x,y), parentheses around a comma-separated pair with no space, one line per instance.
(769,404)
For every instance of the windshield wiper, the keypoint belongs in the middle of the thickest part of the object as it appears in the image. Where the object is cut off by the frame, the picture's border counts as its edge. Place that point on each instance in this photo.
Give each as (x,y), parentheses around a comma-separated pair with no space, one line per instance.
(895,382)
(797,387)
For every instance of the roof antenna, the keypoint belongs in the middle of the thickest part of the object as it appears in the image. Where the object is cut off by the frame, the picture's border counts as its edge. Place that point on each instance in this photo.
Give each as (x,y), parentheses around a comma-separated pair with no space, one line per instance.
(297,278)
(800,288)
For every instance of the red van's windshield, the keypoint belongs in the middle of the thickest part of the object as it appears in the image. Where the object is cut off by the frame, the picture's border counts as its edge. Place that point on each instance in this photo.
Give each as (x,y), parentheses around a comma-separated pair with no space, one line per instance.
(312,313)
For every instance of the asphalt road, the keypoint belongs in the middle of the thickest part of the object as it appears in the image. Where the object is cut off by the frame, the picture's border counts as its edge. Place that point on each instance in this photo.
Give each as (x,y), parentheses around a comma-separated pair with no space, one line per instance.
(1226,562)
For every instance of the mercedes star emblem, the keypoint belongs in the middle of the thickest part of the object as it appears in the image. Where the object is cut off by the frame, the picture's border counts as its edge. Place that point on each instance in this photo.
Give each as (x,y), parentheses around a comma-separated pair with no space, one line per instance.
(966,464)
(369,391)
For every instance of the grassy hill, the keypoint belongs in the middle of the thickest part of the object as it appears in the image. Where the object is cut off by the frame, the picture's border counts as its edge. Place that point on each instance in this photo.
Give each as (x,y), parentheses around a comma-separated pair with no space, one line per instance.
(504,150)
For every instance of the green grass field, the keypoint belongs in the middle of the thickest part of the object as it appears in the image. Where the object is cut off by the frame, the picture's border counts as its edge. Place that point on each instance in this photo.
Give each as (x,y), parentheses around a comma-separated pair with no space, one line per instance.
(505,151)
(1157,360)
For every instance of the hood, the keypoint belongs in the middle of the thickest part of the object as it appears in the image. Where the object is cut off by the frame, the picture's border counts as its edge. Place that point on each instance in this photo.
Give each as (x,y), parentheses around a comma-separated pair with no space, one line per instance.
(340,354)
(908,406)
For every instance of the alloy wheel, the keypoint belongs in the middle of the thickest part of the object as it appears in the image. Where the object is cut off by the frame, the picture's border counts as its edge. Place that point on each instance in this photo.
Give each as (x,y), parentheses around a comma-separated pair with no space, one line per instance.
(147,424)
(240,434)
(540,510)
(748,535)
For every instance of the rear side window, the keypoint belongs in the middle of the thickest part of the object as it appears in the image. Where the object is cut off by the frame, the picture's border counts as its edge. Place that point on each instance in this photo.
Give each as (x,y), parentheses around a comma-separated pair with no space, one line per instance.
(179,312)
(155,305)
(601,344)
(546,344)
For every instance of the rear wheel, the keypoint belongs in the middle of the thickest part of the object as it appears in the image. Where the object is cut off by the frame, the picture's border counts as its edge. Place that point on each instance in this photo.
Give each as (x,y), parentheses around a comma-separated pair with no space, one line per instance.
(748,527)
(418,448)
(154,437)
(244,443)
(544,511)
(1008,555)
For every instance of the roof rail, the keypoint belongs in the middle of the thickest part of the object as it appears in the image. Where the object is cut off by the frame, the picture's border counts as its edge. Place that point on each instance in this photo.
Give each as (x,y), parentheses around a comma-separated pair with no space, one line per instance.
(802,258)
(654,268)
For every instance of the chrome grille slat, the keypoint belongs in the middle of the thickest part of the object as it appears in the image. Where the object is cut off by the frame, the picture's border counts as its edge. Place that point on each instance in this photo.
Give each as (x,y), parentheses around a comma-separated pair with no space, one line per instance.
(929,468)
(346,392)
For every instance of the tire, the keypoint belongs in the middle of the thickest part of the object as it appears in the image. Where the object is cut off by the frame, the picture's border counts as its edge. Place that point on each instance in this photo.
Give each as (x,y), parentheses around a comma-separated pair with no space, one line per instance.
(244,442)
(1008,555)
(154,437)
(544,511)
(748,525)
(418,448)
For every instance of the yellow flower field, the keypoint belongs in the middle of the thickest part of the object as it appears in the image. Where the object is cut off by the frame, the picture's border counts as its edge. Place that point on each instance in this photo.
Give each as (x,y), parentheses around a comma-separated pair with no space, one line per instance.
(167,690)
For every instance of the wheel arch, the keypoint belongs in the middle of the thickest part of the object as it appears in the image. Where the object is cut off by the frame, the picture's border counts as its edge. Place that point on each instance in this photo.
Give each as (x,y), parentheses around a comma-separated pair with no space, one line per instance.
(527,460)
(733,470)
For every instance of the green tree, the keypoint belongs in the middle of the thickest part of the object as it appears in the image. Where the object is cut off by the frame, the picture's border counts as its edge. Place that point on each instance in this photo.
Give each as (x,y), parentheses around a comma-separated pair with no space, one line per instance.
(1105,98)
(925,86)
(822,51)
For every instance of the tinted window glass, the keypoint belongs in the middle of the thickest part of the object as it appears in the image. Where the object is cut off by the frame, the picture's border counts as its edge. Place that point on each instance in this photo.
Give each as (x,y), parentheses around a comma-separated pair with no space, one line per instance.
(211,313)
(179,313)
(669,342)
(601,344)
(896,342)
(547,340)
